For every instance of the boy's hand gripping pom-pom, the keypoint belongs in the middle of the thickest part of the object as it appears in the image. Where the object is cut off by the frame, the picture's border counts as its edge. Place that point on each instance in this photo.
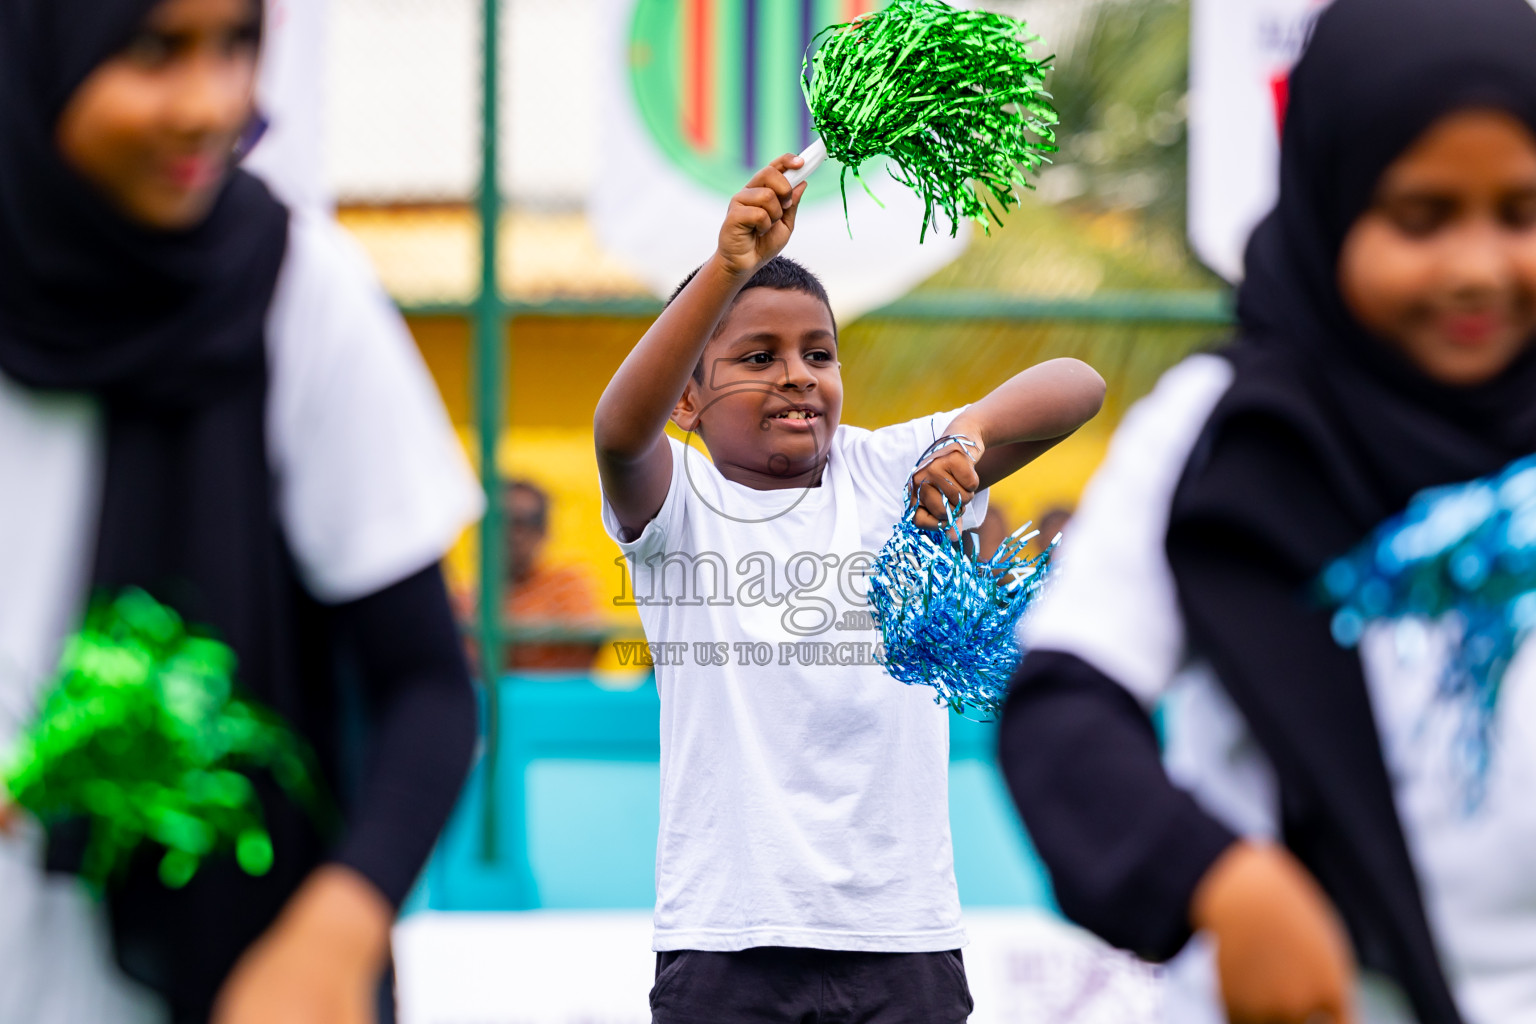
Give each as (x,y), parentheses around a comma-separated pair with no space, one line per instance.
(143,737)
(945,476)
(951,97)
(1466,552)
(948,618)
(761,218)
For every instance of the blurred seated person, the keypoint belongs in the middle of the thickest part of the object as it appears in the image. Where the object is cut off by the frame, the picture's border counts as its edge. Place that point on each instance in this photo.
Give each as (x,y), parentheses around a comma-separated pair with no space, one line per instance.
(994,529)
(1052,523)
(998,525)
(538,595)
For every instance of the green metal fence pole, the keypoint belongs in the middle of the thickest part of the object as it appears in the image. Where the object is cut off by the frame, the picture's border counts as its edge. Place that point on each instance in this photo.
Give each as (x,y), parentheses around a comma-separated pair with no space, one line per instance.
(490,320)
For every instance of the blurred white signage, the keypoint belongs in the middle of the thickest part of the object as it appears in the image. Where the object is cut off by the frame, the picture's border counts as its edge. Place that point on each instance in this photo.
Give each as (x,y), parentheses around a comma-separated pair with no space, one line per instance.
(596,967)
(694,97)
(1241,55)
(290,156)
(397,88)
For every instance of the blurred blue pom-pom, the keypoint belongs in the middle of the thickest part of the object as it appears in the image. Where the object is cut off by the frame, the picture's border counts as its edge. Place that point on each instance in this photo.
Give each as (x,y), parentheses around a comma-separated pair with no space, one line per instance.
(1465,551)
(947,618)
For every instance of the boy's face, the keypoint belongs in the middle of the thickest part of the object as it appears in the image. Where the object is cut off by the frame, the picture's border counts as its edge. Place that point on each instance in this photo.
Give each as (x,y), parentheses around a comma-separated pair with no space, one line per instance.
(1443,265)
(772,394)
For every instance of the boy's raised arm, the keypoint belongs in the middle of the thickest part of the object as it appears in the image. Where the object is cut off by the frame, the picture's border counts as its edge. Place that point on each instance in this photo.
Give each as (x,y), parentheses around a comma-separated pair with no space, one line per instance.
(1030,413)
(1012,426)
(633,458)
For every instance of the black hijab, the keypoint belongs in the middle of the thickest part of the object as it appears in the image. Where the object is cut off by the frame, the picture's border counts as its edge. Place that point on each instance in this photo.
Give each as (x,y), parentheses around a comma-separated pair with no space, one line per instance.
(1326,431)
(90,301)
(166,329)
(1375,76)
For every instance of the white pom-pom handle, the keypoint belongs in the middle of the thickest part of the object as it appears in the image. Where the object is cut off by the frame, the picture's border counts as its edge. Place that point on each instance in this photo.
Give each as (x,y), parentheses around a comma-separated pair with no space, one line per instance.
(814,156)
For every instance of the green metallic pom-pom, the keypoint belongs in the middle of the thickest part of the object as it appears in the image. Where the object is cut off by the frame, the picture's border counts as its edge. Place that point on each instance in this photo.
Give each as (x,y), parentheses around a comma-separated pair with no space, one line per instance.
(951,97)
(144,736)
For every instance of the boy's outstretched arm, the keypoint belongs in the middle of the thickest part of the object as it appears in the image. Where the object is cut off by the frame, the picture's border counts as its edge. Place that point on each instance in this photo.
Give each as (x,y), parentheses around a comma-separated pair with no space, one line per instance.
(633,458)
(1013,425)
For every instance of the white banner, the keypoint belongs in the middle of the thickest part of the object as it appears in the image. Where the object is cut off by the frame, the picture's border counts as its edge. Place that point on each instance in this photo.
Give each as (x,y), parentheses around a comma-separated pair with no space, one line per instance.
(290,156)
(1241,55)
(695,96)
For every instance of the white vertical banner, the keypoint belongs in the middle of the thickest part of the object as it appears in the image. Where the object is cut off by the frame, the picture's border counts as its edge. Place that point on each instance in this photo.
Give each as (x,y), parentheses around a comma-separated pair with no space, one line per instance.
(694,96)
(290,95)
(1241,56)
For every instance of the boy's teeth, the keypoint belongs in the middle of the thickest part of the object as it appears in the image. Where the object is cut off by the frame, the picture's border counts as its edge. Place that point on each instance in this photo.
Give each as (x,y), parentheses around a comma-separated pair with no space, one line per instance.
(794,414)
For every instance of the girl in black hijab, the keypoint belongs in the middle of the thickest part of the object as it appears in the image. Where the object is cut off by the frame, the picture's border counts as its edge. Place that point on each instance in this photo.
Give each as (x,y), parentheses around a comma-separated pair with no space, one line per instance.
(209,399)
(1385,346)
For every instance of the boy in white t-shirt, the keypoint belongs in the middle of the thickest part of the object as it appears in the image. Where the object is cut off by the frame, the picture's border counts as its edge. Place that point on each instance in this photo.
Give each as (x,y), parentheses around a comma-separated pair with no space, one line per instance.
(804,870)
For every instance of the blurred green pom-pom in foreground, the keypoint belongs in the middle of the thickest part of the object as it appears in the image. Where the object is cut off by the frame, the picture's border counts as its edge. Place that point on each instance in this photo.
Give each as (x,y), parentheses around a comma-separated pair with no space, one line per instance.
(143,736)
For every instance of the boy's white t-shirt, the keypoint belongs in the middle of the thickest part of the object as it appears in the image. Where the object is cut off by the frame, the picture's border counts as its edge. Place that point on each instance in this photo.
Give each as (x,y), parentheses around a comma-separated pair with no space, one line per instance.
(804,791)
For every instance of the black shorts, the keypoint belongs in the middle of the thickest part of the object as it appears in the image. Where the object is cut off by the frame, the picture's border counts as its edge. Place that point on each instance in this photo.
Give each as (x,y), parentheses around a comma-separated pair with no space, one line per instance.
(784,985)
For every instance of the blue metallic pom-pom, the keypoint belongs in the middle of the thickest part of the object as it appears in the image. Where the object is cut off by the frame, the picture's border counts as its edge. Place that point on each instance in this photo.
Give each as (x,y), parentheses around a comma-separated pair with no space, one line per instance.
(947,618)
(1465,551)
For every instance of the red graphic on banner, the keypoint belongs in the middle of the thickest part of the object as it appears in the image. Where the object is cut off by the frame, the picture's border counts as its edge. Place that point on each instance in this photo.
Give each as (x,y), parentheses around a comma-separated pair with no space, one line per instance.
(698,33)
(1280,92)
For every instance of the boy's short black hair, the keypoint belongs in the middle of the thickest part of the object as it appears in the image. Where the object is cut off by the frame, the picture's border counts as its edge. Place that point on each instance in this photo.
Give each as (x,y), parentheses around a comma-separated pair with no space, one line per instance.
(782,273)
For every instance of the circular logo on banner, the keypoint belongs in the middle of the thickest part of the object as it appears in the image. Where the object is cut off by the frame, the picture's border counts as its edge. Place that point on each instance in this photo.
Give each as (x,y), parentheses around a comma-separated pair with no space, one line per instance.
(717,82)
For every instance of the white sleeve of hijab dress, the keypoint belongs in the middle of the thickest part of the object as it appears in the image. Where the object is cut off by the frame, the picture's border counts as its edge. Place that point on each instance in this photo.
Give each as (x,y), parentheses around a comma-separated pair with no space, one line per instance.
(372,482)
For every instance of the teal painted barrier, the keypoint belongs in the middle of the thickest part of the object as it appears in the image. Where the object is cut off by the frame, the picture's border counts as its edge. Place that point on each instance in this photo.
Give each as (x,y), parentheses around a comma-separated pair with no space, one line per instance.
(578,787)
